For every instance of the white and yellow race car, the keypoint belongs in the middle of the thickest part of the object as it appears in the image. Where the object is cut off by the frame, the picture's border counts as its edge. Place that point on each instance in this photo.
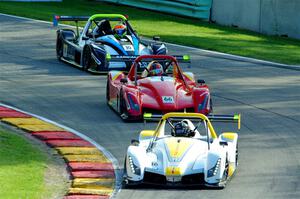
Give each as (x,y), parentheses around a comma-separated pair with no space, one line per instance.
(183,150)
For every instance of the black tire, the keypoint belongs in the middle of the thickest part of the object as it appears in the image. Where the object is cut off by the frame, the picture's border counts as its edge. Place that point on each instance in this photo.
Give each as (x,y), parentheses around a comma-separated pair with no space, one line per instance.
(59,48)
(123,109)
(86,59)
(237,155)
(125,169)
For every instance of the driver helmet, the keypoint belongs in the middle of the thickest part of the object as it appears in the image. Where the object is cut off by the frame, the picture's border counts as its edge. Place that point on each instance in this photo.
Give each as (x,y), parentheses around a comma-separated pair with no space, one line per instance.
(181,129)
(155,69)
(120,30)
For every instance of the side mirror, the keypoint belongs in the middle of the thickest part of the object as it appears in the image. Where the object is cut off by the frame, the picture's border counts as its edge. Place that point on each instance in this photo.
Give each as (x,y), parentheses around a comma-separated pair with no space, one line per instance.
(156,38)
(123,80)
(200,81)
(223,143)
(227,137)
(84,38)
(135,142)
(146,134)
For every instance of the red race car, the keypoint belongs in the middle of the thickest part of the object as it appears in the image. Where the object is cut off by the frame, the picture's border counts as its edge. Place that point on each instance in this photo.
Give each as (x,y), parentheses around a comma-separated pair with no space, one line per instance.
(158,88)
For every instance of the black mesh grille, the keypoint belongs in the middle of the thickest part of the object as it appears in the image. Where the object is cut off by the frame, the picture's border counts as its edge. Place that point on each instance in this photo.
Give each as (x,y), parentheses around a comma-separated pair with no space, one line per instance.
(193,179)
(147,110)
(154,178)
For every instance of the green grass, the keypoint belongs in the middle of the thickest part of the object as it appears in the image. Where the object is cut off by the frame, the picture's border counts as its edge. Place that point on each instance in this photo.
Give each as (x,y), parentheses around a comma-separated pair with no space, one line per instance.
(191,32)
(22,168)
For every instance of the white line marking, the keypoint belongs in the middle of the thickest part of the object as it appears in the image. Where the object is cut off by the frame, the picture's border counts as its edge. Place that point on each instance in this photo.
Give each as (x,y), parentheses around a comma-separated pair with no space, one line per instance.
(236,57)
(113,160)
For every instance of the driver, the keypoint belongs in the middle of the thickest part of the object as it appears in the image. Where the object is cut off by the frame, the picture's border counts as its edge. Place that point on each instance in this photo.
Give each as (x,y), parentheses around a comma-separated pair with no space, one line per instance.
(153,69)
(119,31)
(182,129)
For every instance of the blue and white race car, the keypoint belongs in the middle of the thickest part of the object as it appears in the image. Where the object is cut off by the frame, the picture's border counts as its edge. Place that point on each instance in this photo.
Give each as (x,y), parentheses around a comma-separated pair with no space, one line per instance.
(103,35)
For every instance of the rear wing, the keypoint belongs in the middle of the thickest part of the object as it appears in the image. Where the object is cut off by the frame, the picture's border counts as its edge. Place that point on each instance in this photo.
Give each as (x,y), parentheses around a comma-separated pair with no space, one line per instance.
(57,18)
(236,118)
(132,58)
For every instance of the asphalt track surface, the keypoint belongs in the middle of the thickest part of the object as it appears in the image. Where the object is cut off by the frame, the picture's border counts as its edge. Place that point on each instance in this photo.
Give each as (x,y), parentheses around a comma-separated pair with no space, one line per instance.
(268,98)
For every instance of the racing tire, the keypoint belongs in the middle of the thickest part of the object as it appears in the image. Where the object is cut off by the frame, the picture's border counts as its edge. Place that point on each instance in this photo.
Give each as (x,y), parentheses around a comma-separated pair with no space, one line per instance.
(125,180)
(86,59)
(225,175)
(126,183)
(59,48)
(123,110)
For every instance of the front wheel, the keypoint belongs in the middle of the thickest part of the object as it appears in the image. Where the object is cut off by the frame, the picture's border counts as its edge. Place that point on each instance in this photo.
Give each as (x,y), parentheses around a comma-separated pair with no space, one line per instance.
(223,181)
(86,59)
(123,109)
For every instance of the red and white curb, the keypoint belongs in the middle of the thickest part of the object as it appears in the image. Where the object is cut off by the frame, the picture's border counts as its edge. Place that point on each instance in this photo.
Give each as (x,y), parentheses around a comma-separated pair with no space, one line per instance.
(92,169)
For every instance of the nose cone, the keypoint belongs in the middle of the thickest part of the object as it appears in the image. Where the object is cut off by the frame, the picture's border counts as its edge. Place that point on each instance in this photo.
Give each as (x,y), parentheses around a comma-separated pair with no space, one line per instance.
(177,147)
(164,93)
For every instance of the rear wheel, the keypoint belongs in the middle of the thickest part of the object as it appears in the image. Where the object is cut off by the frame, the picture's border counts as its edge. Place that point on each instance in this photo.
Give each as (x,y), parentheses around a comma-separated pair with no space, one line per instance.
(125,180)
(223,182)
(86,59)
(236,154)
(226,170)
(123,109)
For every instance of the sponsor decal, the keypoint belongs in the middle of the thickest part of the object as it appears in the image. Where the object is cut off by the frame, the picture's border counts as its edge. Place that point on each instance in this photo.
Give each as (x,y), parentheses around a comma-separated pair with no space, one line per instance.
(168,99)
(128,47)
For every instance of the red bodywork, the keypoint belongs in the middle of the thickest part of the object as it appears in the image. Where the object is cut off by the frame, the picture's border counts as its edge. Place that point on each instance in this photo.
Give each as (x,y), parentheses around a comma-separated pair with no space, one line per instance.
(132,95)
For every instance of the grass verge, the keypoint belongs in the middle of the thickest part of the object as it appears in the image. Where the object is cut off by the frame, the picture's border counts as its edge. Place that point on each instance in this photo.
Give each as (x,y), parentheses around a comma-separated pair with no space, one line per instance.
(190,32)
(22,168)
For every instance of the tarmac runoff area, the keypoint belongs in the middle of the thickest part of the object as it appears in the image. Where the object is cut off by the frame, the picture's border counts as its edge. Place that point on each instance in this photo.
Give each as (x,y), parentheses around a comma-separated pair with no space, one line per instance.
(91,172)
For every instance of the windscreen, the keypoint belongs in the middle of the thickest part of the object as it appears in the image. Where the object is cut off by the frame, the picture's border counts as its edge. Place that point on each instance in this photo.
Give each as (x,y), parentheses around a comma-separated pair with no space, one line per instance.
(185,128)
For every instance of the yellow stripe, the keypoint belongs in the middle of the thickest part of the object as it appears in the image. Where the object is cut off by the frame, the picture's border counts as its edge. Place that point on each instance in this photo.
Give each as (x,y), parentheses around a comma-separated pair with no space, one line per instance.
(86,158)
(93,182)
(173,171)
(78,151)
(115,76)
(178,146)
(40,127)
(23,121)
(98,190)
(188,76)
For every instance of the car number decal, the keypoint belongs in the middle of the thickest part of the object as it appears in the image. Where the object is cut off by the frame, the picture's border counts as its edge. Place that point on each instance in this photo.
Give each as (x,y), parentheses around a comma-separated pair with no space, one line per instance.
(128,47)
(168,99)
